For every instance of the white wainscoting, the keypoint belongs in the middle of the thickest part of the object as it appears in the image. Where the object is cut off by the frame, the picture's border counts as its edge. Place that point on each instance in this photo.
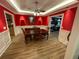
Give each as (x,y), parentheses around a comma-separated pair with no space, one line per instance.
(18,28)
(5,41)
(63,36)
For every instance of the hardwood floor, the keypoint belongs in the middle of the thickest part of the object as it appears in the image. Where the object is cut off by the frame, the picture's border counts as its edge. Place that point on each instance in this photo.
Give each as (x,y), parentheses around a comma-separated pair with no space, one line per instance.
(36,49)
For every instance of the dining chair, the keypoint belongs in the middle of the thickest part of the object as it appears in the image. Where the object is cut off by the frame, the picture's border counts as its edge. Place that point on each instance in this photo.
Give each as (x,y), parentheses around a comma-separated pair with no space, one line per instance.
(26,35)
(45,33)
(37,34)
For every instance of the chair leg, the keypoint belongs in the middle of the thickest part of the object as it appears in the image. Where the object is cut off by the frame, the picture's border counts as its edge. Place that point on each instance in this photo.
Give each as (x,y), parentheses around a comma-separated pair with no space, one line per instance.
(47,37)
(30,38)
(25,38)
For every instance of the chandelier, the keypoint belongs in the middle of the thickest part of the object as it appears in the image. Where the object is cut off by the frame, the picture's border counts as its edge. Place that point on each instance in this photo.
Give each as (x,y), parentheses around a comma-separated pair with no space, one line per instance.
(36,11)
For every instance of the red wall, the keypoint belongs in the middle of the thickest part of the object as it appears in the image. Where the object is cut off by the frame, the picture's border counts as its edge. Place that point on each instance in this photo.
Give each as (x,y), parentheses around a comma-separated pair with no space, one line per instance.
(2,19)
(18,21)
(67,23)
(68,19)
(23,20)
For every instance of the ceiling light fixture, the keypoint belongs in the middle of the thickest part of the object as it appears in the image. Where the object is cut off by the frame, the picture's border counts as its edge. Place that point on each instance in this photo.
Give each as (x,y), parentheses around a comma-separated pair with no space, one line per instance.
(63,4)
(37,11)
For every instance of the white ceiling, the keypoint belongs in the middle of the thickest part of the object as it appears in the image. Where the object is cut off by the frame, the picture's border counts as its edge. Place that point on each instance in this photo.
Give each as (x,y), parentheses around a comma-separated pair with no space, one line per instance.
(29,5)
(42,4)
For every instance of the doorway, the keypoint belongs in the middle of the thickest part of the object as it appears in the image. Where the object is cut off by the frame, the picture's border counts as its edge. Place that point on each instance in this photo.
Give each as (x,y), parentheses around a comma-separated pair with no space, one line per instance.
(10,24)
(55,26)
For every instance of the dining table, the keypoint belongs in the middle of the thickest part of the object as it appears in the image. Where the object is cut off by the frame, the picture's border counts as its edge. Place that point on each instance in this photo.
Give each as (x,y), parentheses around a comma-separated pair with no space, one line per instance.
(34,33)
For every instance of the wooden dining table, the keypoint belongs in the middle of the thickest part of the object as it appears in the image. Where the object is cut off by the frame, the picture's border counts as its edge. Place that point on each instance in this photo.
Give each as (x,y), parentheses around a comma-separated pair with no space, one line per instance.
(36,33)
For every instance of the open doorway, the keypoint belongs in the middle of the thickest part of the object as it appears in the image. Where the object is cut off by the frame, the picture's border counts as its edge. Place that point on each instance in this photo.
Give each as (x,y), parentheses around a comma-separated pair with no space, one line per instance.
(55,25)
(10,24)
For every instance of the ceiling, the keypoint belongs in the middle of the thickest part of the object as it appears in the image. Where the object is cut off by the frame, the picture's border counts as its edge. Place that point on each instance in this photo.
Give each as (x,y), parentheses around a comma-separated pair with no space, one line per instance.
(42,4)
(29,5)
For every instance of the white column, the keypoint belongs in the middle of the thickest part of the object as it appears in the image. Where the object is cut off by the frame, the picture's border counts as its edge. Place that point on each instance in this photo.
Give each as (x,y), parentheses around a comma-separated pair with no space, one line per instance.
(72,51)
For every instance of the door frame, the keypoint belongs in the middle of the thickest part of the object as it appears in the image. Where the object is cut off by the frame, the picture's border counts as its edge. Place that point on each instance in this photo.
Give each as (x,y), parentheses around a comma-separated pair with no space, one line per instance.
(61,21)
(6,12)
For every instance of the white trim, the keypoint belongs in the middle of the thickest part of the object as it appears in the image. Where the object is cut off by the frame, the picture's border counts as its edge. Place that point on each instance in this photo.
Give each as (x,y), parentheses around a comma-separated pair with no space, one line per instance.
(57,7)
(55,16)
(18,28)
(29,14)
(7,8)
(3,31)
(5,48)
(33,26)
(12,20)
(63,36)
(62,40)
(44,27)
(61,5)
(61,31)
(72,51)
(76,5)
(5,44)
(7,24)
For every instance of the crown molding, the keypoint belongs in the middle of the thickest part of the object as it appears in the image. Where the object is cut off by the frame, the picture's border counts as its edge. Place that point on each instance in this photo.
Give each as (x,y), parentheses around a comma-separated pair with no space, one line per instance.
(7,8)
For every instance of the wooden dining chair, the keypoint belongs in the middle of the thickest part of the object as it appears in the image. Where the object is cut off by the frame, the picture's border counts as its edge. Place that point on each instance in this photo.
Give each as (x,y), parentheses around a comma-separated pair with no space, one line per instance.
(37,34)
(26,35)
(45,33)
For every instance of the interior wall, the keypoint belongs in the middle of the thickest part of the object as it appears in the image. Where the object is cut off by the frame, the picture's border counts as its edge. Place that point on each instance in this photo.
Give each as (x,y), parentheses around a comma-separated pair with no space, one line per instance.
(23,20)
(2,20)
(18,22)
(67,23)
(5,39)
(68,19)
(72,51)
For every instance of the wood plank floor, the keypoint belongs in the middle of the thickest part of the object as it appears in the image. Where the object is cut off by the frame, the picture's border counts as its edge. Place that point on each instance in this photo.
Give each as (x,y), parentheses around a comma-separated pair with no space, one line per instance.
(36,49)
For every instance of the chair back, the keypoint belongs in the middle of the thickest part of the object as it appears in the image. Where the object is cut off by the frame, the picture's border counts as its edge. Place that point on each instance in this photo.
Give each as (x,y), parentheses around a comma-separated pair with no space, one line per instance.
(37,30)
